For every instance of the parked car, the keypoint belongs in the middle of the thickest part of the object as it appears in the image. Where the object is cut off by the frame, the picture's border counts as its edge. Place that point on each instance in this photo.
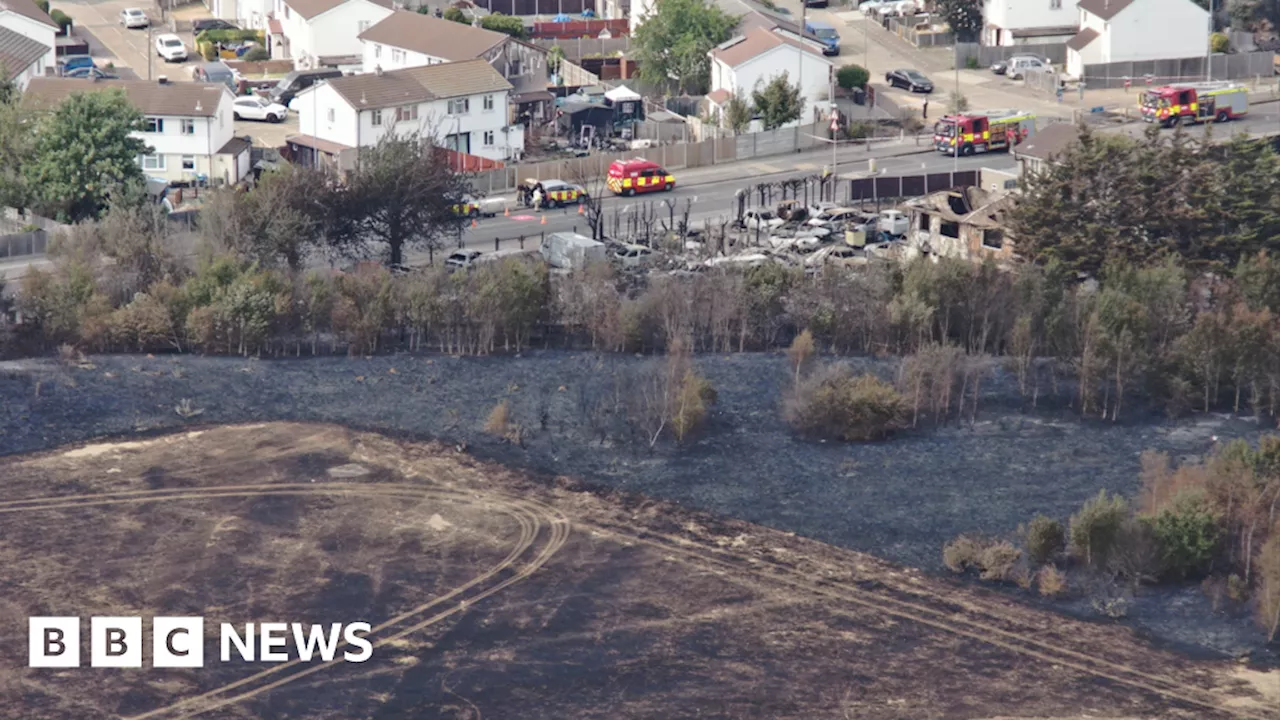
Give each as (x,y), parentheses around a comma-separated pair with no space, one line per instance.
(203,24)
(826,34)
(836,216)
(71,63)
(252,107)
(461,259)
(215,72)
(171,48)
(134,18)
(1016,66)
(763,219)
(299,80)
(633,255)
(912,80)
(92,73)
(893,222)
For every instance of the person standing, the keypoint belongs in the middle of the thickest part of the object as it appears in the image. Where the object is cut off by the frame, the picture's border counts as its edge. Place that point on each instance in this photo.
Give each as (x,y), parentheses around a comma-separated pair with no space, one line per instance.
(926,108)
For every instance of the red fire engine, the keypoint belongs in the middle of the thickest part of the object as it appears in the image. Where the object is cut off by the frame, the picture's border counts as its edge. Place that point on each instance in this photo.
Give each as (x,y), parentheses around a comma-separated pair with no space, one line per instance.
(1195,103)
(982,132)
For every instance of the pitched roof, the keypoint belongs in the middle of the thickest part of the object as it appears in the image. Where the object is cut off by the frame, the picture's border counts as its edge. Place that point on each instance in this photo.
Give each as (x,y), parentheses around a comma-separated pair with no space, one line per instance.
(433,36)
(1082,39)
(754,43)
(28,9)
(719,97)
(311,8)
(371,91)
(1048,142)
(1106,9)
(18,52)
(178,99)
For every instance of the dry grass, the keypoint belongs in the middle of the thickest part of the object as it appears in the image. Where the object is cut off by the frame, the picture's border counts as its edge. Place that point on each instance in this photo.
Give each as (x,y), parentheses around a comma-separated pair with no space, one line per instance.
(1050,581)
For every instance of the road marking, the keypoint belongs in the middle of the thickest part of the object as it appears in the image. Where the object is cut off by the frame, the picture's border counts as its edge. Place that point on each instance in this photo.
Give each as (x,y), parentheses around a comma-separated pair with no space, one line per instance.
(765,168)
(806,166)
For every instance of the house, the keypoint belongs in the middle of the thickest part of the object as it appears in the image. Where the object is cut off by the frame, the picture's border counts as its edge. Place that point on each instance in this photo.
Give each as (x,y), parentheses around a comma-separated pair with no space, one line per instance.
(25,30)
(1038,151)
(465,105)
(1137,31)
(752,60)
(1017,22)
(409,39)
(188,126)
(332,27)
(964,223)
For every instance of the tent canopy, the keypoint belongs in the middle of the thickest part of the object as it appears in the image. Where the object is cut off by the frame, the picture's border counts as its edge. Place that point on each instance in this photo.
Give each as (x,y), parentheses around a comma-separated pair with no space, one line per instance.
(622,93)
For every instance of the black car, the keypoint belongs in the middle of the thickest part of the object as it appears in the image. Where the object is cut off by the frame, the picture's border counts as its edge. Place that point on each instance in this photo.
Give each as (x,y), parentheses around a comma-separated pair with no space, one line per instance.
(912,80)
(201,25)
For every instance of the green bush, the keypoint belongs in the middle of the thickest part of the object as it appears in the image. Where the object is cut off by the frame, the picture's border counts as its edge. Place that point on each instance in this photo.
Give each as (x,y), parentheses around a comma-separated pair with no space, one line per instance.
(1095,527)
(230,37)
(257,54)
(999,560)
(852,76)
(43,5)
(1187,534)
(507,24)
(456,15)
(963,553)
(836,403)
(1045,538)
(1219,43)
(61,19)
(971,62)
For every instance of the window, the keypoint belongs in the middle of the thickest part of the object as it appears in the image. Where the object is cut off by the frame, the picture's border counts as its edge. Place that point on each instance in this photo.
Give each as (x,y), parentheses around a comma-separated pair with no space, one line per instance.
(377,118)
(488,103)
(922,222)
(408,112)
(188,162)
(460,107)
(993,239)
(363,25)
(950,229)
(153,162)
(1055,4)
(153,125)
(488,138)
(188,126)
(377,50)
(397,55)
(331,115)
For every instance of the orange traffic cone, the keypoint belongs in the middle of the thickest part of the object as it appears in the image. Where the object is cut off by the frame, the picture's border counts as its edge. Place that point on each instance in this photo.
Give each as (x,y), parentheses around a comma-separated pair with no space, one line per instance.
(506,212)
(474,223)
(579,208)
(544,220)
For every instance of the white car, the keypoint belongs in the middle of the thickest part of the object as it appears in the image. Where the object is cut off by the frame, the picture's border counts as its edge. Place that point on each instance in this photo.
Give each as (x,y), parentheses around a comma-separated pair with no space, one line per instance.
(462,259)
(255,108)
(171,48)
(134,18)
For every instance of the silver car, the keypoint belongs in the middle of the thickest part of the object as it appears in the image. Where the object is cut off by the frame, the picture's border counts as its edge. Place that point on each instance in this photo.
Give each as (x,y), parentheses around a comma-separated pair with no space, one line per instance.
(134,18)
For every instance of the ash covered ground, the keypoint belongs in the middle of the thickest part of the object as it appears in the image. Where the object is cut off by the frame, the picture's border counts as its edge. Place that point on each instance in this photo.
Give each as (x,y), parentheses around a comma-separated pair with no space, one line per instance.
(900,499)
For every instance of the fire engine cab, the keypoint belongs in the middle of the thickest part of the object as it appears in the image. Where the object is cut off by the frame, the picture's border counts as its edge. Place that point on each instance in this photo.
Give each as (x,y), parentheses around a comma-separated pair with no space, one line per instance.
(982,132)
(1195,102)
(628,177)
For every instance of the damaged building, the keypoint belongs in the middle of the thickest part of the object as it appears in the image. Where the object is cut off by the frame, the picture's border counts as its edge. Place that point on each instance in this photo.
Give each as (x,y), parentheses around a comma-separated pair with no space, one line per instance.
(965,223)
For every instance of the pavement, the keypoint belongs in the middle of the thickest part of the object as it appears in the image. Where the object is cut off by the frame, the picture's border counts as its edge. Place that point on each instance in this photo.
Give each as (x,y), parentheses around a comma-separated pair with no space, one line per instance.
(133,56)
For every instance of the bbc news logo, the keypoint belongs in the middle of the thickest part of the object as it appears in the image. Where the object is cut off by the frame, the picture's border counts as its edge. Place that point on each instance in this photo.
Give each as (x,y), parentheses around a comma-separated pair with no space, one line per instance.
(178,642)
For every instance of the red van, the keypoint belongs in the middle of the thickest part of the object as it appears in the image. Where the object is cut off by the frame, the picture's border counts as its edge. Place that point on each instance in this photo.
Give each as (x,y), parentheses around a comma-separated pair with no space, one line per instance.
(628,177)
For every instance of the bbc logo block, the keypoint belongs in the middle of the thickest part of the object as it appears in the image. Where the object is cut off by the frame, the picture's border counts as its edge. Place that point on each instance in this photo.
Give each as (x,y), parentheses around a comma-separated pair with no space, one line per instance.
(178,642)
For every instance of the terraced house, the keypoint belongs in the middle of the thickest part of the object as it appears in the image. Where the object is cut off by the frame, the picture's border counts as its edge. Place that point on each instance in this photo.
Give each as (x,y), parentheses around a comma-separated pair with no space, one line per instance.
(26,42)
(187,125)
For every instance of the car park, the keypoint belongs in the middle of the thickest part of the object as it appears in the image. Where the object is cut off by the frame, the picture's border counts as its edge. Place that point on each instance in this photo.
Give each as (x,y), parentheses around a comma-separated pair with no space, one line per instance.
(133,18)
(912,80)
(255,108)
(171,48)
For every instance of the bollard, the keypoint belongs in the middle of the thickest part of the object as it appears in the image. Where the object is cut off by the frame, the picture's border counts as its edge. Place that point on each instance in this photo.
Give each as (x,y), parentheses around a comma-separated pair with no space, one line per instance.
(521,242)
(495,244)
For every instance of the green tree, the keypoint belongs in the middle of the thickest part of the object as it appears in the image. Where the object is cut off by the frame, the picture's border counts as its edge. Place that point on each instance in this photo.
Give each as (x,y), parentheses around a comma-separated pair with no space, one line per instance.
(1187,533)
(778,103)
(673,42)
(16,139)
(1219,43)
(852,76)
(506,24)
(737,113)
(84,154)
(964,17)
(402,193)
(555,57)
(1095,527)
(456,15)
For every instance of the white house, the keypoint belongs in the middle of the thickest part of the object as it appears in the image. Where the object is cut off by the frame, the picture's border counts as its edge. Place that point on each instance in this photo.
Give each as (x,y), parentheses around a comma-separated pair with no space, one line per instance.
(188,126)
(1137,31)
(464,104)
(317,32)
(23,23)
(748,61)
(1022,22)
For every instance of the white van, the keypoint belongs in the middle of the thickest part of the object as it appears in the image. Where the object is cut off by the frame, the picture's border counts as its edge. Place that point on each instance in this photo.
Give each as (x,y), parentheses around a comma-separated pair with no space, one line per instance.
(1018,65)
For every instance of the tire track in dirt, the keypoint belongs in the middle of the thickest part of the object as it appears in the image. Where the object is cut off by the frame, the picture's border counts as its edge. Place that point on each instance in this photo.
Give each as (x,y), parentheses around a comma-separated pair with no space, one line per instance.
(944,620)
(530,515)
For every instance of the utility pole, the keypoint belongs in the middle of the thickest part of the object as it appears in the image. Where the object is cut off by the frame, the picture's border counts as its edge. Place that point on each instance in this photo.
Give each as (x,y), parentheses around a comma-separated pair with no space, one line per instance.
(800,70)
(1208,53)
(151,51)
(955,165)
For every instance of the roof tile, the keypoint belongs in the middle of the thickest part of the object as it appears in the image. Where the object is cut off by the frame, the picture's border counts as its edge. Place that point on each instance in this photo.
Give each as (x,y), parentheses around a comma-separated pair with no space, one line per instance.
(433,36)
(409,86)
(18,52)
(312,8)
(173,99)
(754,43)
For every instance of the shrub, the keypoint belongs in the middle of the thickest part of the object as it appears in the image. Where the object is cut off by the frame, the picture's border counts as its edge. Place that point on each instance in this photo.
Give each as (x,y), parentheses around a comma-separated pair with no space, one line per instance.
(1045,538)
(1237,588)
(999,560)
(1219,43)
(456,15)
(690,408)
(800,353)
(838,404)
(257,54)
(1187,535)
(1135,554)
(852,76)
(1268,569)
(508,24)
(1051,581)
(1095,526)
(971,62)
(499,421)
(963,553)
(43,5)
(61,19)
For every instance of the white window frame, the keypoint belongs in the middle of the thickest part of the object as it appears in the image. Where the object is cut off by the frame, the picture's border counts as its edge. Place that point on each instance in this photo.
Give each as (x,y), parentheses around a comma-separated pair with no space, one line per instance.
(1055,4)
(488,103)
(488,138)
(187,126)
(189,162)
(376,117)
(397,55)
(377,50)
(406,113)
(460,106)
(153,125)
(157,162)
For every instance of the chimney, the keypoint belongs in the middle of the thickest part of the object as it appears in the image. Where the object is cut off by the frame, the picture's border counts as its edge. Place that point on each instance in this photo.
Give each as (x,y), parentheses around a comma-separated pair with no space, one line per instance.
(164,80)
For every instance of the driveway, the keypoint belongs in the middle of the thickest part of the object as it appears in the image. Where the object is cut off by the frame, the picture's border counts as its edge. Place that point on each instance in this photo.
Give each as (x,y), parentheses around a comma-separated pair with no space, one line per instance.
(265,134)
(123,47)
